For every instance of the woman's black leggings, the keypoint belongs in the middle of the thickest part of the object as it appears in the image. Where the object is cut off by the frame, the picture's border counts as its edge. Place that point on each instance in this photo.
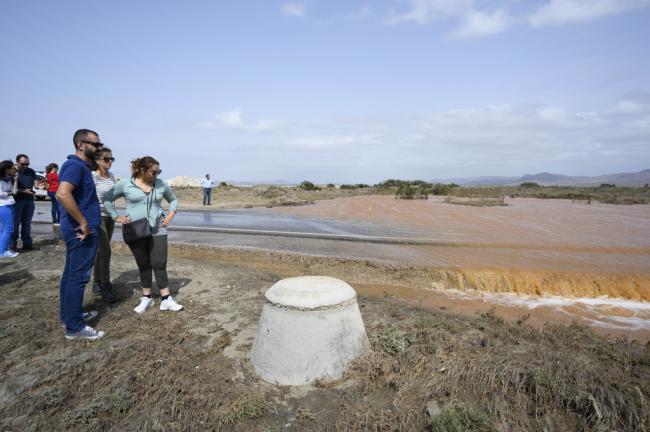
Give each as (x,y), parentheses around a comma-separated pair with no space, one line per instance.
(150,253)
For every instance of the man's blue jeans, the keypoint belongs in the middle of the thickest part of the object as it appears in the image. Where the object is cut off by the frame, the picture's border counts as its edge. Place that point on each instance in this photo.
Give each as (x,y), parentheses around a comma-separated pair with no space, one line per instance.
(207,192)
(23,214)
(79,260)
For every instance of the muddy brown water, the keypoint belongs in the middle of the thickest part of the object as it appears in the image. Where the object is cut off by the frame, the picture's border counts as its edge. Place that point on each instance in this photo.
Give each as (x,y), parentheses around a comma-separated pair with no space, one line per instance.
(565,260)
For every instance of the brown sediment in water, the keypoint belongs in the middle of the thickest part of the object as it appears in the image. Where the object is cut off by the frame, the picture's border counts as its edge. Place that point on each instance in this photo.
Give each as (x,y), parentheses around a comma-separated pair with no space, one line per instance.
(524,282)
(434,289)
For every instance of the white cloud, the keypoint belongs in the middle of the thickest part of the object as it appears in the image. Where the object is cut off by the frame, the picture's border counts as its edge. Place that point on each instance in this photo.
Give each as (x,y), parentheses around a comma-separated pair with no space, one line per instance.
(467,141)
(633,103)
(423,11)
(293,9)
(233,120)
(364,12)
(331,141)
(558,12)
(478,24)
(472,23)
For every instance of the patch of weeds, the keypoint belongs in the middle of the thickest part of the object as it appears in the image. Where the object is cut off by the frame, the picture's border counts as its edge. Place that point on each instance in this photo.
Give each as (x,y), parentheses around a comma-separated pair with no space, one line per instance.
(84,414)
(9,329)
(243,408)
(35,423)
(52,397)
(115,403)
(395,341)
(118,402)
(461,418)
(449,324)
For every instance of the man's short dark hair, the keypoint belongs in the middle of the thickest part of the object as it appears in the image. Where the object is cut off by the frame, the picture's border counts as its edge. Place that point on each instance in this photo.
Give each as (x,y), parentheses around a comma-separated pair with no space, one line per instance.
(81,135)
(20,156)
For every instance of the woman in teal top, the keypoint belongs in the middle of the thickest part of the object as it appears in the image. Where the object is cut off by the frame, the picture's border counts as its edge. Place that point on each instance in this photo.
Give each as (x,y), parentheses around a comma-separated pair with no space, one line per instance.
(143,193)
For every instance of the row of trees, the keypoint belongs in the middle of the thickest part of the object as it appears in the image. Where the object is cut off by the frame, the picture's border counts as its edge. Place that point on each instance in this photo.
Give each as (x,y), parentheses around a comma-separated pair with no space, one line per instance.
(406,189)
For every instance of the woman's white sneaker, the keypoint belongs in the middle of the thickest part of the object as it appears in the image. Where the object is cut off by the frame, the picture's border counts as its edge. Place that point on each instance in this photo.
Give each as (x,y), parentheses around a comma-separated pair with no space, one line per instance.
(170,305)
(9,254)
(145,303)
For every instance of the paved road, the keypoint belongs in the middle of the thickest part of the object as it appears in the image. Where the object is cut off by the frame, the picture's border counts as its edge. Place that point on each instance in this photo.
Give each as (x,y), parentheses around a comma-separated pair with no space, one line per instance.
(262,230)
(252,222)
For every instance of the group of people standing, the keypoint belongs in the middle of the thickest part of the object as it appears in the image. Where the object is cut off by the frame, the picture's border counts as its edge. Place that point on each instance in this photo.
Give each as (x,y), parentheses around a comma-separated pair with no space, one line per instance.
(83,203)
(16,205)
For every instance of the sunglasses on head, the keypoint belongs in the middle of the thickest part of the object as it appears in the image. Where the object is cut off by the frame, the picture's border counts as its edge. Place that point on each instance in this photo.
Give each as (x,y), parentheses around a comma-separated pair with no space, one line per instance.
(109,159)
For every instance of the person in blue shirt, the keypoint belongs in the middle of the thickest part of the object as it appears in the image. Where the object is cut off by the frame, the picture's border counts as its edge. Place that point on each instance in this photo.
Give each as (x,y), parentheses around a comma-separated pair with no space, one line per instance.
(24,207)
(80,221)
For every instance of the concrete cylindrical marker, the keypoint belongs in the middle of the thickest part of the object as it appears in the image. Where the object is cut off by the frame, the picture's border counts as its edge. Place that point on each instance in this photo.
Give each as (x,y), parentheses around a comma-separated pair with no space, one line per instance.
(310,329)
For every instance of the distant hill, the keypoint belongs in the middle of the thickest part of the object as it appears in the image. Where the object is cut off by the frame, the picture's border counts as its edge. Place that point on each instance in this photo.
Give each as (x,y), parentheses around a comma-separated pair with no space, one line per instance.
(638,179)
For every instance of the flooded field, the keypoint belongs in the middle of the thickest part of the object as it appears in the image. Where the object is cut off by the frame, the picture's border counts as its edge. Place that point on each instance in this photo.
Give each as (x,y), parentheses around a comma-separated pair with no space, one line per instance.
(553,259)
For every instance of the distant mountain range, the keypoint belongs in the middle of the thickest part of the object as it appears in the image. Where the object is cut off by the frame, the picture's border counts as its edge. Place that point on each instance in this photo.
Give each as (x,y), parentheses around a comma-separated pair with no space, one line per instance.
(637,179)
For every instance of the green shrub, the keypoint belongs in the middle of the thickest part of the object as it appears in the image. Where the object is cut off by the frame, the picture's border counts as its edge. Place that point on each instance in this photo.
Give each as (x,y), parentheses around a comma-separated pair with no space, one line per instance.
(394,340)
(461,418)
(308,186)
(243,408)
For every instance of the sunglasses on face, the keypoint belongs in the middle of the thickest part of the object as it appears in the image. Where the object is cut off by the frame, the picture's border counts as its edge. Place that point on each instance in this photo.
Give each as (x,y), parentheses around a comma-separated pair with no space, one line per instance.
(109,159)
(156,172)
(92,143)
(24,164)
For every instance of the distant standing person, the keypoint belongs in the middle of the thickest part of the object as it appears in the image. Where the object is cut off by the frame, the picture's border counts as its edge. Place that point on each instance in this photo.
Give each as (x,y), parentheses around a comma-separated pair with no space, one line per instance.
(7,191)
(104,181)
(53,185)
(24,207)
(143,193)
(207,185)
(80,220)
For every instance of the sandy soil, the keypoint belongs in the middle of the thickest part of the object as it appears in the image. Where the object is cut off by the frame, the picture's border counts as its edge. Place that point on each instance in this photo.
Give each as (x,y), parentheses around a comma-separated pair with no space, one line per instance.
(190,370)
(191,198)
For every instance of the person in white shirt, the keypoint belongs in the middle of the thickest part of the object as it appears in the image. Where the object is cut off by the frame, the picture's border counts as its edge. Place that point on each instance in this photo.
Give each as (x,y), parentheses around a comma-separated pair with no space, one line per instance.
(207,186)
(7,192)
(104,181)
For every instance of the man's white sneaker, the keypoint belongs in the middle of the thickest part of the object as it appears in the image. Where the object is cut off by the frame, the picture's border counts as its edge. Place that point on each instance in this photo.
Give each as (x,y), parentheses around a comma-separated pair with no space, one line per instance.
(170,305)
(9,254)
(85,333)
(145,303)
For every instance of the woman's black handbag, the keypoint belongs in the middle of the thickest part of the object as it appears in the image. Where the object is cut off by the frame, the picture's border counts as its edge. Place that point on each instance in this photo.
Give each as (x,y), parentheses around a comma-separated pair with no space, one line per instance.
(136,230)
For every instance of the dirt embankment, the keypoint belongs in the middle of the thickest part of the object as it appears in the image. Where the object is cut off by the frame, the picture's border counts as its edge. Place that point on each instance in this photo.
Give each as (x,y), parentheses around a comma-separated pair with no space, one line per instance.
(191,198)
(190,370)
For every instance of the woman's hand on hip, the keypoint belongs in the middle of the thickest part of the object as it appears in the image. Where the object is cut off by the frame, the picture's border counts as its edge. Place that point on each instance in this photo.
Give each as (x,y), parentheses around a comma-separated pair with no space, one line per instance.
(167,219)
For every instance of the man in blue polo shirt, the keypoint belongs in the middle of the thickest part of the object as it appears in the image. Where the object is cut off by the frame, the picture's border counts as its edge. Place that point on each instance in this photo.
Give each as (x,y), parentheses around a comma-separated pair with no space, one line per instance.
(80,220)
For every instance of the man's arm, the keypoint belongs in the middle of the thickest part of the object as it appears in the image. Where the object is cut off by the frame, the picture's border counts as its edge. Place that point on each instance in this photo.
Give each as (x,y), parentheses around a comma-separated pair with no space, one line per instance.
(64,195)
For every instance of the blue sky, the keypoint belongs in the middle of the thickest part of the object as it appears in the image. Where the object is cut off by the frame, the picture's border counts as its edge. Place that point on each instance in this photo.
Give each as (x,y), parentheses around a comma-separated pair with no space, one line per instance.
(332,91)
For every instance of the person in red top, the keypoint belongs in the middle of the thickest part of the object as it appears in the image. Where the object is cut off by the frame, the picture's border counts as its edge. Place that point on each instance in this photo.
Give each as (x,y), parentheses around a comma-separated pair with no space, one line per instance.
(53,181)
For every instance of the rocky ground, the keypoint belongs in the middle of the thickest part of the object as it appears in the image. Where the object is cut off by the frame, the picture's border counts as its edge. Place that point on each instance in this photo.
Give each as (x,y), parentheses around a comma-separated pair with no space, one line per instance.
(190,370)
